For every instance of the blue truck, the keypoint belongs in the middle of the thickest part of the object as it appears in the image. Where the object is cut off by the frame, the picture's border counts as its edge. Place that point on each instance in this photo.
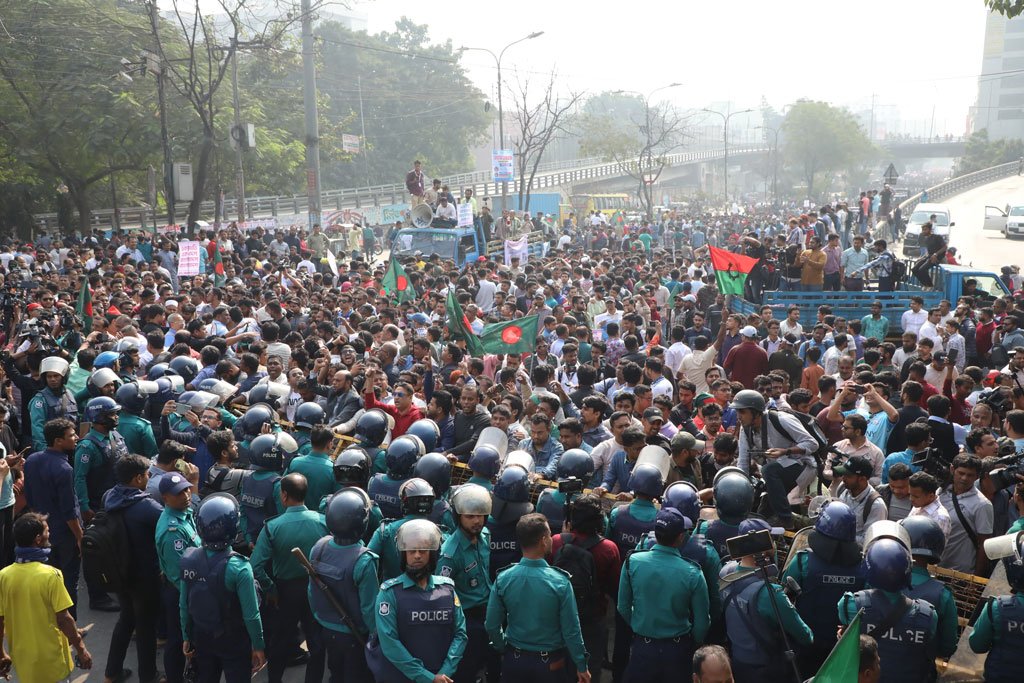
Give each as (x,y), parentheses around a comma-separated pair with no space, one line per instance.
(461,245)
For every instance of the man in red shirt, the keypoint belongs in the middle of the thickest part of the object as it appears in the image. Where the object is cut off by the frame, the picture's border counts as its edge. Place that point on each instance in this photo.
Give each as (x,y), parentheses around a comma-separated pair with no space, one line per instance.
(748,360)
(983,333)
(917,370)
(959,410)
(404,412)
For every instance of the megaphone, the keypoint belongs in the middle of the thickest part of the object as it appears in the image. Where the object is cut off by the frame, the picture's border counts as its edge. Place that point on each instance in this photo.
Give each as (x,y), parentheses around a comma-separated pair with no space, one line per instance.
(1007,545)
(422,216)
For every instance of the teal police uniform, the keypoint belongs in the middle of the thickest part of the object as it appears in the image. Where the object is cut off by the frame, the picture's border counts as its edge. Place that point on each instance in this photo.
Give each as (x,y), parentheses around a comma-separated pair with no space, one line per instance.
(906,649)
(376,517)
(48,405)
(421,631)
(95,456)
(551,504)
(175,533)
(532,618)
(668,618)
(998,632)
(699,550)
(468,565)
(138,434)
(383,544)
(481,481)
(302,438)
(319,473)
(937,594)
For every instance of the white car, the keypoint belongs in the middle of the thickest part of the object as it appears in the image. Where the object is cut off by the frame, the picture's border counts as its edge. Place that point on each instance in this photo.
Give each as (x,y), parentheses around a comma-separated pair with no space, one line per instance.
(922,214)
(1009,221)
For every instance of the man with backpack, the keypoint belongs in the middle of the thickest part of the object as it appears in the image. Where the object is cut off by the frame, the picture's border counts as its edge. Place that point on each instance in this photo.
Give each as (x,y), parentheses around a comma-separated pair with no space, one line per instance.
(890,270)
(593,563)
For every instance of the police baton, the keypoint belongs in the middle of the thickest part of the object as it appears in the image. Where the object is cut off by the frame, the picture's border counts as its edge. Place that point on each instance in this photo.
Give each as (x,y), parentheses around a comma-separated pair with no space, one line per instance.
(331,598)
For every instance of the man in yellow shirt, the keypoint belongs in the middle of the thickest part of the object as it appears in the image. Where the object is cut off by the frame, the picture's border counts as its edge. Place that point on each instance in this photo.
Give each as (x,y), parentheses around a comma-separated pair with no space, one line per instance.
(34,611)
(812,277)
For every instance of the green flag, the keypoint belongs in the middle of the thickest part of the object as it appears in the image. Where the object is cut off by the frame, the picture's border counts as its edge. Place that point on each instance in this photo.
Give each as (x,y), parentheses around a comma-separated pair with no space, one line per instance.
(843,663)
(514,336)
(459,326)
(83,309)
(730,270)
(396,282)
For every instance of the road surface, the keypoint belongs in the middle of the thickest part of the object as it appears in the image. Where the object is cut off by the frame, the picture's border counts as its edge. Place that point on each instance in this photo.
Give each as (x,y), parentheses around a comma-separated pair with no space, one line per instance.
(986,249)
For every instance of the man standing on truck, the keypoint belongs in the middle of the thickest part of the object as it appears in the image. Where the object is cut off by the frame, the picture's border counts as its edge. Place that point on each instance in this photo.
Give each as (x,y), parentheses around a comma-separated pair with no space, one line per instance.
(935,253)
(884,262)
(414,183)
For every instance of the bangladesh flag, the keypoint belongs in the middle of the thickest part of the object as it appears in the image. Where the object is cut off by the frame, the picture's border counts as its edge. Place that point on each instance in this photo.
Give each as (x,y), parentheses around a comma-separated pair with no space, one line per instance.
(83,309)
(731,270)
(843,662)
(459,326)
(514,336)
(396,282)
(218,268)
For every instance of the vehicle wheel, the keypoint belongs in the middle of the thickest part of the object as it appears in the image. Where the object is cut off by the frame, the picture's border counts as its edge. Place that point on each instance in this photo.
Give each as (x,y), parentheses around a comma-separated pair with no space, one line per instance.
(378,249)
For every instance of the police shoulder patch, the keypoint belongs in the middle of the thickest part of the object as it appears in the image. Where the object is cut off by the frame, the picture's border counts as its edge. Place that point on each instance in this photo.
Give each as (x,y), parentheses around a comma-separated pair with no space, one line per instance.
(179,544)
(385,609)
(37,402)
(446,571)
(84,457)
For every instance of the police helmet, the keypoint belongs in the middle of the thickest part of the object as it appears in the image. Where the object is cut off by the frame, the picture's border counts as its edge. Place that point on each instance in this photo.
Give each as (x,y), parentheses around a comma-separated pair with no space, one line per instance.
(251,423)
(217,520)
(268,393)
(748,399)
(887,564)
(371,428)
(132,398)
(269,451)
(837,521)
(128,350)
(471,499)
(348,514)
(107,359)
(402,455)
(419,534)
(734,494)
(417,497)
(926,536)
(352,467)
(156,371)
(646,480)
(168,388)
(54,364)
(201,400)
(682,495)
(218,387)
(184,366)
(577,463)
(436,470)
(428,432)
(485,461)
(309,415)
(513,485)
(1012,563)
(103,411)
(101,377)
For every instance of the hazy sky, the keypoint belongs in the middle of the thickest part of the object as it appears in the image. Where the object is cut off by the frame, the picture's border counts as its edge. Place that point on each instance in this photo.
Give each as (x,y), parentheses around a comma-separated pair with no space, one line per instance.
(917,54)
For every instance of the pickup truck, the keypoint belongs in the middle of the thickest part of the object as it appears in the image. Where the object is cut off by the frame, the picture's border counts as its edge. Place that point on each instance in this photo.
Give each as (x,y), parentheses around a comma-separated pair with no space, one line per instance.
(951,282)
(461,245)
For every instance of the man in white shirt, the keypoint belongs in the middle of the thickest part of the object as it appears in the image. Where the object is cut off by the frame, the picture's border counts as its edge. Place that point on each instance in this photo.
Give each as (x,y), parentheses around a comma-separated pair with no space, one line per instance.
(791,325)
(856,492)
(830,359)
(445,215)
(675,354)
(925,499)
(915,317)
(930,329)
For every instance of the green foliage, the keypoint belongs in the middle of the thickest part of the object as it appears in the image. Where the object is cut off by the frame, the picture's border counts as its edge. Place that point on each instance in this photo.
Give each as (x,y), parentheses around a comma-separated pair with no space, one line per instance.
(609,125)
(1010,8)
(980,152)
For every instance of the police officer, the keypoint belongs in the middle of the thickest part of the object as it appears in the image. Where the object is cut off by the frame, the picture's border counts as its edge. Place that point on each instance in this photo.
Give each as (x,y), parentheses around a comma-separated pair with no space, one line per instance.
(998,628)
(927,541)
(751,623)
(428,432)
(435,469)
(307,416)
(261,491)
(296,527)
(575,466)
(96,454)
(220,613)
(466,560)
(484,463)
(175,533)
(401,457)
(420,626)
(136,430)
(904,627)
(101,382)
(256,421)
(417,503)
(734,496)
(668,618)
(511,500)
(531,614)
(352,468)
(185,367)
(826,570)
(315,465)
(350,571)
(370,432)
(52,401)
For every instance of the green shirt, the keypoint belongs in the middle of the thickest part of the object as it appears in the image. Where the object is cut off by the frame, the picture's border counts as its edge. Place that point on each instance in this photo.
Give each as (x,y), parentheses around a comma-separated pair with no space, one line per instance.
(238,579)
(948,620)
(869,327)
(387,631)
(39,414)
(532,608)
(791,621)
(642,510)
(987,627)
(297,527)
(364,575)
(468,564)
(318,470)
(710,567)
(138,434)
(656,608)
(175,532)
(480,481)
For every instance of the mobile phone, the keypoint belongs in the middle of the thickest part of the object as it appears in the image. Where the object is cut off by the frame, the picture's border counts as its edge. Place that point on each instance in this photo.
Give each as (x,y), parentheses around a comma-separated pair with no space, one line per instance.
(752,543)
(953,353)
(859,389)
(182,409)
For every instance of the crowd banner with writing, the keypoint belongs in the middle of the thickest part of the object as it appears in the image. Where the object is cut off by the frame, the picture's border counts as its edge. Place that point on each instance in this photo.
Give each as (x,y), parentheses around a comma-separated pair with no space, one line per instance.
(265,223)
(503,166)
(465,215)
(514,248)
(189,260)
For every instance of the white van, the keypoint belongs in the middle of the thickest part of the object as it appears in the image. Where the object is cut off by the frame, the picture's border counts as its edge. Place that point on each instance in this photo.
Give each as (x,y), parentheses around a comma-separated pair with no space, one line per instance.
(922,214)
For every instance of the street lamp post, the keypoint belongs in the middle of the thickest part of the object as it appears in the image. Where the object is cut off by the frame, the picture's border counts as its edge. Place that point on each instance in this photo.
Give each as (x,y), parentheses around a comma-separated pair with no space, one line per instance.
(725,141)
(501,111)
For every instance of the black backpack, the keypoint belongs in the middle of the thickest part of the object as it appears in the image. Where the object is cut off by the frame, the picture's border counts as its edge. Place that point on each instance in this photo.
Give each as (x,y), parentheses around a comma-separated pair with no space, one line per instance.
(899,271)
(809,424)
(576,560)
(106,552)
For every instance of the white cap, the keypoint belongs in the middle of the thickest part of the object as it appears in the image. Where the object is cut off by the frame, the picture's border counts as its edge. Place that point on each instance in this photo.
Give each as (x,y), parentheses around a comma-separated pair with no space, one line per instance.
(749,331)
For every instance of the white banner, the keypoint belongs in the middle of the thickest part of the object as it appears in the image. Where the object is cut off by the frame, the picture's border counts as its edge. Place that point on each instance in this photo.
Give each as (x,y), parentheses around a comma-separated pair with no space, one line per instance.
(503,166)
(350,143)
(519,247)
(465,215)
(189,259)
(265,223)
(332,262)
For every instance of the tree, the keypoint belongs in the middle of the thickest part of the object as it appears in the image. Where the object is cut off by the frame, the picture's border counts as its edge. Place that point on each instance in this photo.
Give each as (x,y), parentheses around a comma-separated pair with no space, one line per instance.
(537,122)
(1009,8)
(636,135)
(820,141)
(980,152)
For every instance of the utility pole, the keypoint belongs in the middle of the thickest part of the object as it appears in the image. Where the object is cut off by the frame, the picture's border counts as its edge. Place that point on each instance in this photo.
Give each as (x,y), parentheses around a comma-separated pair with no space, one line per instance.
(165,141)
(312,122)
(238,134)
(362,126)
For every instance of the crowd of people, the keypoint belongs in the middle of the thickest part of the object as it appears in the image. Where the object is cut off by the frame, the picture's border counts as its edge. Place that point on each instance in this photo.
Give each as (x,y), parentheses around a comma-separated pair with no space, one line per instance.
(282,451)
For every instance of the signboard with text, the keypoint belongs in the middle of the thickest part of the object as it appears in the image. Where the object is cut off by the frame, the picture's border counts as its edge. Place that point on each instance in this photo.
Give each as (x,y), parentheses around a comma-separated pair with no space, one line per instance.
(503,166)
(189,260)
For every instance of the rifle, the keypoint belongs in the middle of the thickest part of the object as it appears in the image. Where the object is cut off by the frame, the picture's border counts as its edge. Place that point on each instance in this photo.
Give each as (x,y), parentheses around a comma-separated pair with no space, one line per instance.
(331,598)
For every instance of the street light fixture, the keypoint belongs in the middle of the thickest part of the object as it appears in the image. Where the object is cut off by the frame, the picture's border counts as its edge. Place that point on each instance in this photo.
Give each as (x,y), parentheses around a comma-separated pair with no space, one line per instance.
(501,111)
(725,140)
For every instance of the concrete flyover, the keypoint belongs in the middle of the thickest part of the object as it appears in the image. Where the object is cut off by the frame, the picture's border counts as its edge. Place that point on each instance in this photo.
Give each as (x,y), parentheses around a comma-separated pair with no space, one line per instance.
(923,148)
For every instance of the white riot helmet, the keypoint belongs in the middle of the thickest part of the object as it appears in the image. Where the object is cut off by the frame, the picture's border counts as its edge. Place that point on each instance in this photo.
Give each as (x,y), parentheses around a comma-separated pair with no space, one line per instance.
(101,377)
(471,499)
(418,534)
(54,364)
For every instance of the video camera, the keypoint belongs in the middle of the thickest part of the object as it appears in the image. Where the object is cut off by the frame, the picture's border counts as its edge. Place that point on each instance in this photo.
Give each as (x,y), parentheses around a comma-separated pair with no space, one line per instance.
(998,399)
(39,335)
(1006,470)
(935,462)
